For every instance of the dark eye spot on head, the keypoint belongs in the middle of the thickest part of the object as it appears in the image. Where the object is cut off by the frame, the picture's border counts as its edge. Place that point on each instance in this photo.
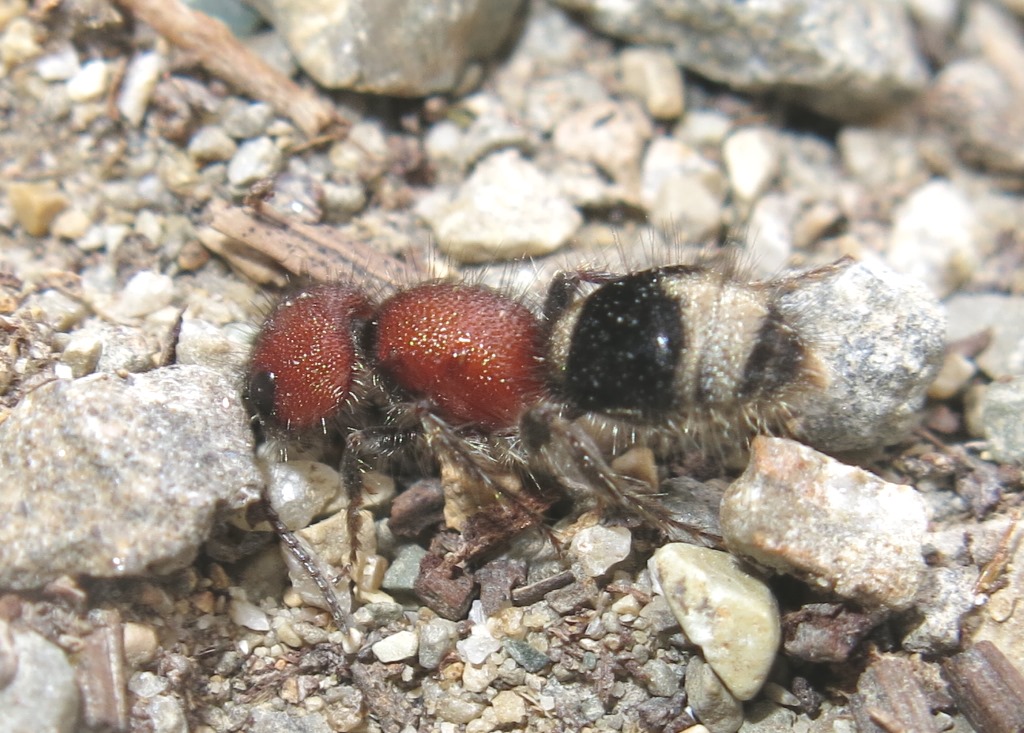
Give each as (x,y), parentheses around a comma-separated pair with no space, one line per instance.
(262,392)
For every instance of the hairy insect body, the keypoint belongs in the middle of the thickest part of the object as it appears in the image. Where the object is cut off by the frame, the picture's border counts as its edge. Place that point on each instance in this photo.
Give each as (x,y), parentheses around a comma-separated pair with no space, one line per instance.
(691,349)
(516,408)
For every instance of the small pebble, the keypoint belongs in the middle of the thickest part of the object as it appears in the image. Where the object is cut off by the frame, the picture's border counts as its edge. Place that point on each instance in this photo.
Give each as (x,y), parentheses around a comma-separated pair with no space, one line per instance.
(59,311)
(478,646)
(837,527)
(147,684)
(945,598)
(652,76)
(363,153)
(249,615)
(137,86)
(329,539)
(18,43)
(687,208)
(509,708)
(254,160)
(204,344)
(526,656)
(437,638)
(771,224)
(459,709)
(751,156)
(36,205)
(71,224)
(210,144)
(140,643)
(957,370)
(405,568)
(881,344)
(598,548)
(82,353)
(478,677)
(934,237)
(1002,316)
(711,700)
(550,99)
(286,633)
(659,678)
(730,614)
(507,208)
(243,120)
(395,648)
(1002,408)
(90,82)
(683,191)
(60,65)
(299,490)
(779,694)
(145,293)
(612,135)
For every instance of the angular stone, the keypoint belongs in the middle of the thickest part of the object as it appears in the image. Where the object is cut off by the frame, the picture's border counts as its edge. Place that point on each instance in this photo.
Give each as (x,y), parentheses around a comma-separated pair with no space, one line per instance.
(110,477)
(598,548)
(507,208)
(730,614)
(837,527)
(36,205)
(395,648)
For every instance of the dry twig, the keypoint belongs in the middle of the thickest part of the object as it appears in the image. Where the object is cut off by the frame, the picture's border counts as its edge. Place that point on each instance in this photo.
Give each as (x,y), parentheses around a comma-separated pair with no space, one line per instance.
(224,56)
(309,251)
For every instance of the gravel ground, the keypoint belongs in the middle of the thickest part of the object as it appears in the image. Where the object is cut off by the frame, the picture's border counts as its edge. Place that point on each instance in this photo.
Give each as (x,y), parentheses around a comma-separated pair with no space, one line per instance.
(876,588)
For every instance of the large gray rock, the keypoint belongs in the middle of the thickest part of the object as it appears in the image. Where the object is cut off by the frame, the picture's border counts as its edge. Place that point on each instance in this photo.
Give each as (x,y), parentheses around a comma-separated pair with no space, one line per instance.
(395,47)
(845,60)
(879,339)
(111,476)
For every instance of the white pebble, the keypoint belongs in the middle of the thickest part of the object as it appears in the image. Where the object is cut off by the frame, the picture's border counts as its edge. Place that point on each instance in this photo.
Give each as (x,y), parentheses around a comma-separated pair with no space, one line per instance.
(60,65)
(730,614)
(138,85)
(255,159)
(934,237)
(146,293)
(507,208)
(396,647)
(140,643)
(752,159)
(89,83)
(478,645)
(244,613)
(598,548)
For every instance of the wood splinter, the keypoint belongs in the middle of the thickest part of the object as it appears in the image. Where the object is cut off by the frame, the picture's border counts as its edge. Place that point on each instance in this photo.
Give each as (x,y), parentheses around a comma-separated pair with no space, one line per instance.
(224,56)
